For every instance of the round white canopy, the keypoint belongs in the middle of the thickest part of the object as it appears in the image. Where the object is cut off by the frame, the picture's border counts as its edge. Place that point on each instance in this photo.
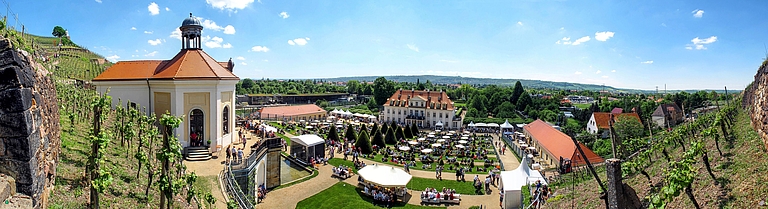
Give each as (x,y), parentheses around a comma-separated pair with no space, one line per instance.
(462,141)
(441,140)
(446,137)
(460,146)
(464,137)
(426,150)
(309,127)
(404,148)
(436,145)
(532,148)
(452,132)
(421,139)
(431,136)
(385,176)
(413,142)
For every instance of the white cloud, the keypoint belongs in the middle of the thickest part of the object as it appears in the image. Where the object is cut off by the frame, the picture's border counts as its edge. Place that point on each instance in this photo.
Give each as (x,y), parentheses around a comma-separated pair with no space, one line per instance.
(581,40)
(153,9)
(284,15)
(151,54)
(243,63)
(229,4)
(698,43)
(148,32)
(298,41)
(113,58)
(133,28)
(229,30)
(663,24)
(167,9)
(266,60)
(99,1)
(698,13)
(613,71)
(519,23)
(413,47)
(155,42)
(240,58)
(210,24)
(176,34)
(577,73)
(647,62)
(605,76)
(598,72)
(603,36)
(226,46)
(214,42)
(258,49)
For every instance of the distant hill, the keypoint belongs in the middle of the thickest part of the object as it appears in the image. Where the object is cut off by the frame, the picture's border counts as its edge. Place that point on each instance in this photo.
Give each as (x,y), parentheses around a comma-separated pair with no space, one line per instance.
(539,84)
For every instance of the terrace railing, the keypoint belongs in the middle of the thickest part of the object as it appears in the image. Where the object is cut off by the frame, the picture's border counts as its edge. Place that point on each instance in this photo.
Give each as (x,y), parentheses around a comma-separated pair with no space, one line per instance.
(232,188)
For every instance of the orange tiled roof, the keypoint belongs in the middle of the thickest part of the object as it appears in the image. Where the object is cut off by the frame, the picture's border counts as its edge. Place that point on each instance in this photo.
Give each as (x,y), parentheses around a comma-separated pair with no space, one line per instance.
(287,111)
(433,99)
(558,143)
(602,119)
(187,64)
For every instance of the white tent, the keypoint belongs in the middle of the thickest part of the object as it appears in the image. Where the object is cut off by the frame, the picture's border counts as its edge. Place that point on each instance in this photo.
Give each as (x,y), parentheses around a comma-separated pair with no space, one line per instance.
(439,123)
(495,125)
(513,181)
(385,176)
(480,124)
(267,128)
(506,124)
(471,124)
(307,140)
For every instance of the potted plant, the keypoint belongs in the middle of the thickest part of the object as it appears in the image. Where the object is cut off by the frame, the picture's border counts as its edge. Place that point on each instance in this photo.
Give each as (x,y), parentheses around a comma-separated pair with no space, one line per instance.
(208,143)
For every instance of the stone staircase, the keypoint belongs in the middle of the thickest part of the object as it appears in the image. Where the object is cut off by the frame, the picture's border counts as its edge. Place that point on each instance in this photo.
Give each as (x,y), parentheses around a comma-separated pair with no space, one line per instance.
(197,154)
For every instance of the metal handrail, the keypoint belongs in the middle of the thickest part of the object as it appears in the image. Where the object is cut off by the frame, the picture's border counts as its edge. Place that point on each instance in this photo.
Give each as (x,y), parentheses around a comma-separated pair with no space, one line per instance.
(233,188)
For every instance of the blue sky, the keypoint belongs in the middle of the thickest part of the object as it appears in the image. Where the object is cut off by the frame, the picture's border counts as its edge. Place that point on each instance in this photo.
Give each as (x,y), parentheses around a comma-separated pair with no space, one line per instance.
(626,44)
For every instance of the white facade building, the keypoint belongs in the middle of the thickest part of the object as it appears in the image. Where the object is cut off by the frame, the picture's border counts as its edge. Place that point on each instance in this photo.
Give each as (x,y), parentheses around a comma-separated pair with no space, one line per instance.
(424,108)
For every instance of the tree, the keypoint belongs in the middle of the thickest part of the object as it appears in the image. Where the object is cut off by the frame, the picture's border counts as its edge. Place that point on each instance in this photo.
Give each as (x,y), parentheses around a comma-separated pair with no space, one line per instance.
(322,103)
(407,132)
(374,128)
(248,83)
(524,101)
(353,87)
(628,127)
(384,128)
(59,32)
(364,142)
(414,129)
(333,134)
(382,89)
(517,91)
(479,102)
(399,133)
(389,138)
(372,105)
(506,110)
(378,139)
(350,135)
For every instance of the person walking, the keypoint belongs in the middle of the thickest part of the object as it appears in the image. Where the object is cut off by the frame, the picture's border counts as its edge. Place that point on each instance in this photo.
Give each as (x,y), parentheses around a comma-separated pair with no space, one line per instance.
(240,155)
(229,153)
(501,197)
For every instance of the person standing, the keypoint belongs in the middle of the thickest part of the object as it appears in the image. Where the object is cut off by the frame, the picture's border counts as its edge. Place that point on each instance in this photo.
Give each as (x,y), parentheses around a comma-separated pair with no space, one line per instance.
(501,197)
(229,153)
(240,155)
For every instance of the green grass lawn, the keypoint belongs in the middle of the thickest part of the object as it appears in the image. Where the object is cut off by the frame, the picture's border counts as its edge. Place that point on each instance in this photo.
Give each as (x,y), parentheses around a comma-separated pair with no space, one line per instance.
(287,139)
(582,106)
(343,195)
(377,159)
(337,162)
(449,181)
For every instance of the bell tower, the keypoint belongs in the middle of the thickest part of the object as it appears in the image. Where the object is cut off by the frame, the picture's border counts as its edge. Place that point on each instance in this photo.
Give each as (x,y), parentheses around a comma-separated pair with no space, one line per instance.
(191,33)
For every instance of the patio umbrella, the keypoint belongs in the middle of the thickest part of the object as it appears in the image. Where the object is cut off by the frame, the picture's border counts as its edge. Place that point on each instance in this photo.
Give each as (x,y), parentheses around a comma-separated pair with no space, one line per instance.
(431,136)
(385,176)
(436,145)
(426,150)
(453,132)
(446,137)
(464,137)
(421,139)
(462,141)
(460,146)
(309,127)
(441,140)
(404,148)
(466,132)
(413,142)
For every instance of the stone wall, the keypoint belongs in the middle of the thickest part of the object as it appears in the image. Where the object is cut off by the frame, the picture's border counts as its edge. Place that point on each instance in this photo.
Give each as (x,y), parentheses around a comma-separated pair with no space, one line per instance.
(756,102)
(29,124)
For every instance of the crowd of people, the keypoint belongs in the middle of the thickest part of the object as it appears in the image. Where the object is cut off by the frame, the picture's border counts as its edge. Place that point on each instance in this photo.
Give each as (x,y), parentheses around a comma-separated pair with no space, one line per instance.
(342,171)
(433,195)
(380,194)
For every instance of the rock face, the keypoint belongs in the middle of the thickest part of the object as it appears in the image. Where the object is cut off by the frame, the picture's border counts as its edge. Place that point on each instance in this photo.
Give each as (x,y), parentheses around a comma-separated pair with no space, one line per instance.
(756,102)
(29,124)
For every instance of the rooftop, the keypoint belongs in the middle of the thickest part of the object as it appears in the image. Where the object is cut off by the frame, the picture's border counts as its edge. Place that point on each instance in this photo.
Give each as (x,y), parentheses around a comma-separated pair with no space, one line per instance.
(187,64)
(292,110)
(558,143)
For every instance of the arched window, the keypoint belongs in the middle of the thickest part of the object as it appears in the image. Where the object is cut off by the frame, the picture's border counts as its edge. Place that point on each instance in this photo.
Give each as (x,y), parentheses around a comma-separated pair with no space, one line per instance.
(225,120)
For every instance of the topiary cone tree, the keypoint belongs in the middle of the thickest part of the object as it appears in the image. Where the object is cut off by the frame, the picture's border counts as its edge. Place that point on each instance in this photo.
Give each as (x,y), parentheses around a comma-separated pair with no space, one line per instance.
(407,132)
(399,133)
(389,138)
(414,129)
(374,128)
(378,139)
(333,135)
(384,128)
(364,142)
(350,135)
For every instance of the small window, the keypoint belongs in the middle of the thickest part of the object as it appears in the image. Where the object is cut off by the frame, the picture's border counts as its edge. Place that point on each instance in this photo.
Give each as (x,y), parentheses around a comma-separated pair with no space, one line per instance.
(225,120)
(132,105)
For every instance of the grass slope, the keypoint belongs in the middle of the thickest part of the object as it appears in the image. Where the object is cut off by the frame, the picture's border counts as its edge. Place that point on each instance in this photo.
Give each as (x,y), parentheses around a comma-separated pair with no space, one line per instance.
(738,181)
(342,195)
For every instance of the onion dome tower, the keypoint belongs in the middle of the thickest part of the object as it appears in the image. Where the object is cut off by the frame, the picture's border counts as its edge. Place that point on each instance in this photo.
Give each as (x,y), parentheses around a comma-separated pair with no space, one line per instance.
(191,33)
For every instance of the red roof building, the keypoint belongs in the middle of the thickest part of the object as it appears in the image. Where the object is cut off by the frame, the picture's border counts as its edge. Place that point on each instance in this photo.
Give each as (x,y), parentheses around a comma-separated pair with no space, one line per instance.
(553,144)
(602,121)
(296,112)
(424,108)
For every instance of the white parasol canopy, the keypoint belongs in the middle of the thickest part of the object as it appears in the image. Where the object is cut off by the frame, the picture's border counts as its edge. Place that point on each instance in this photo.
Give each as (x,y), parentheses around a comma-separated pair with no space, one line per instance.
(464,137)
(480,124)
(309,127)
(459,146)
(413,142)
(340,126)
(441,140)
(421,139)
(331,117)
(404,148)
(436,145)
(462,141)
(431,136)
(385,176)
(426,150)
(496,125)
(466,132)
(446,137)
(453,132)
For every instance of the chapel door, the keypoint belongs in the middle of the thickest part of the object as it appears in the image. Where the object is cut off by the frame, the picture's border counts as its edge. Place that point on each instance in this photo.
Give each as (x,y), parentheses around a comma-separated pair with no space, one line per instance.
(196,124)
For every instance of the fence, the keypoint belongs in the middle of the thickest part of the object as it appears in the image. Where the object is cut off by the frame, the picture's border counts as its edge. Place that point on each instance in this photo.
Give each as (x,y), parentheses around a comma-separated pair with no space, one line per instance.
(233,188)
